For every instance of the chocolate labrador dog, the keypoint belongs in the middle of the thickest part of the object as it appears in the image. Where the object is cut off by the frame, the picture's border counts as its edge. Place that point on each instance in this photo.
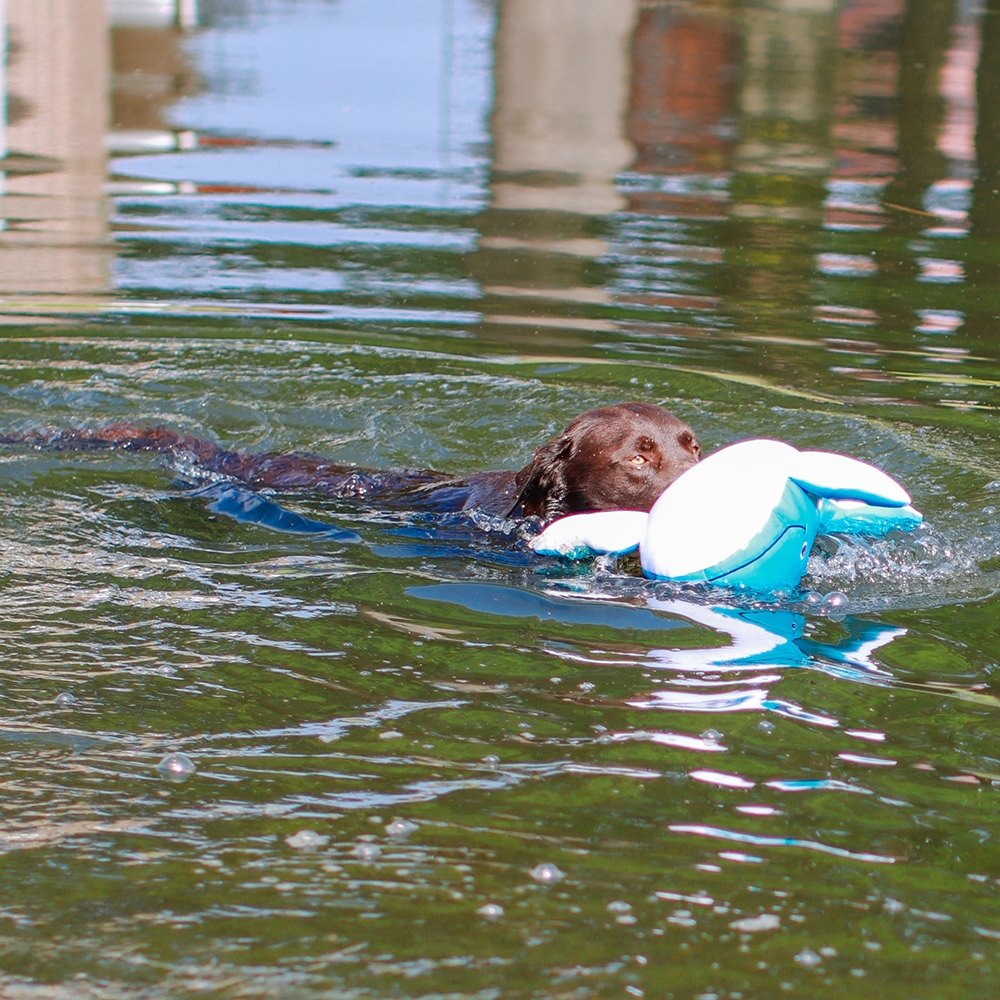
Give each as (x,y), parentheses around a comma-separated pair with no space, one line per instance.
(621,456)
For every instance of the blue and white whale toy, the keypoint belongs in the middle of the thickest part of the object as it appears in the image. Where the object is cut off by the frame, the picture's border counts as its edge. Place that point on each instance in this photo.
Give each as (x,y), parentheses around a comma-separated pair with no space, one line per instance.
(745,517)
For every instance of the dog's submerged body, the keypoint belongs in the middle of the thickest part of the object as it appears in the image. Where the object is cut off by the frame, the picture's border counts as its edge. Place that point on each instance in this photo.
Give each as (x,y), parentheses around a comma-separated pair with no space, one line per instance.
(621,456)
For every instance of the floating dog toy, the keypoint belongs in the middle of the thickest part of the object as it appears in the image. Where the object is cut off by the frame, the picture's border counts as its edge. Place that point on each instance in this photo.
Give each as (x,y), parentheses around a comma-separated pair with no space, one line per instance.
(744,517)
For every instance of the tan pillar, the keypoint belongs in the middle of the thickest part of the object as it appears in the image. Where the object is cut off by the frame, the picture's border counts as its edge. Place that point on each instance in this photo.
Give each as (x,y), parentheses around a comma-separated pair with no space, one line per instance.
(55,232)
(562,91)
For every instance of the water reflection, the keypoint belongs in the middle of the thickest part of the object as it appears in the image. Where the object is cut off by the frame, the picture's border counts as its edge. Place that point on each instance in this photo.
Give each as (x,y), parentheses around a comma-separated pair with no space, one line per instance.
(540,172)
(985,213)
(54,236)
(728,674)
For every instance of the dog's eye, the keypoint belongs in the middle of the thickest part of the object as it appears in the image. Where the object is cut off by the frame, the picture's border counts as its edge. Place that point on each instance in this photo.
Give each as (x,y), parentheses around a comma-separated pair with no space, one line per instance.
(638,460)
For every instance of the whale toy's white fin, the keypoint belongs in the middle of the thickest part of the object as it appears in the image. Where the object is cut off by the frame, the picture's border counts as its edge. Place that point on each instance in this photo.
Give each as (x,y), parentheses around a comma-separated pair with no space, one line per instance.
(605,532)
(824,474)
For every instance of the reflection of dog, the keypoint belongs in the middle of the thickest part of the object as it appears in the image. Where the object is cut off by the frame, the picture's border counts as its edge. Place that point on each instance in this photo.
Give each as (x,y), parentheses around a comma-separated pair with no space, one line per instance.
(621,456)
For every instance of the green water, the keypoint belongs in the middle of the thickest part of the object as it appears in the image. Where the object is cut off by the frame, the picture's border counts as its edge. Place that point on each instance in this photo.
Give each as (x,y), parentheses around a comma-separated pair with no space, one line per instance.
(428,234)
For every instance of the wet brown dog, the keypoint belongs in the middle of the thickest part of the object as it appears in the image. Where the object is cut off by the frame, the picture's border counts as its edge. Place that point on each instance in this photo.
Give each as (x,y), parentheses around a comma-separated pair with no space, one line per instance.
(621,456)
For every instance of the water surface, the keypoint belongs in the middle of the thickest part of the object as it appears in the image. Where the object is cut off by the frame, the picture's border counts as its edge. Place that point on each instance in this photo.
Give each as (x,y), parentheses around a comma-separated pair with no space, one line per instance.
(428,763)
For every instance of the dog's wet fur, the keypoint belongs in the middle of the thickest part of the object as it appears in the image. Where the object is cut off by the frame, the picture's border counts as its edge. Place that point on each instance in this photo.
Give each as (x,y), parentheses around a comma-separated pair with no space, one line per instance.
(615,457)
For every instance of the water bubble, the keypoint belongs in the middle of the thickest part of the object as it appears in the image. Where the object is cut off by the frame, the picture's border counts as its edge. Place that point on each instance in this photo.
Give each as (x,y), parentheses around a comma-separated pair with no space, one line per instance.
(990,510)
(176,767)
(491,911)
(491,760)
(390,734)
(711,736)
(306,840)
(765,726)
(621,910)
(813,598)
(835,600)
(367,852)
(828,952)
(753,925)
(547,873)
(64,699)
(808,959)
(400,828)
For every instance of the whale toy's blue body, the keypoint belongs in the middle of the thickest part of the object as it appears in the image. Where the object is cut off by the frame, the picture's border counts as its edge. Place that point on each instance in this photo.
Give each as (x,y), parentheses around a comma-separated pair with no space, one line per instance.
(745,517)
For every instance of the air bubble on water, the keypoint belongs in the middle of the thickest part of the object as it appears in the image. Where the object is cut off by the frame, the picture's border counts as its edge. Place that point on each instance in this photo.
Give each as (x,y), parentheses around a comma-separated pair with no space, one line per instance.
(547,873)
(604,564)
(619,906)
(828,952)
(835,600)
(813,598)
(491,760)
(306,840)
(390,734)
(176,767)
(808,959)
(586,686)
(400,828)
(754,925)
(765,726)
(491,911)
(64,699)
(367,852)
(711,736)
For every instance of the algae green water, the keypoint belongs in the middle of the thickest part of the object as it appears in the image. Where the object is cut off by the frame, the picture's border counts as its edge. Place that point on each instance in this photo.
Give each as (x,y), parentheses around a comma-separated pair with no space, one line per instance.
(239,762)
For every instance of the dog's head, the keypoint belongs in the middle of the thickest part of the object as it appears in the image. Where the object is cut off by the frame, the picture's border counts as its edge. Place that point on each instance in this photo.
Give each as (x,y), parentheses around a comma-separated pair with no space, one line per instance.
(615,457)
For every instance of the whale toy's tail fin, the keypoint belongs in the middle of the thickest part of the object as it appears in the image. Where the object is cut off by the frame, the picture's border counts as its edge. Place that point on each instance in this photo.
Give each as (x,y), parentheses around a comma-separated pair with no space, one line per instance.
(837,477)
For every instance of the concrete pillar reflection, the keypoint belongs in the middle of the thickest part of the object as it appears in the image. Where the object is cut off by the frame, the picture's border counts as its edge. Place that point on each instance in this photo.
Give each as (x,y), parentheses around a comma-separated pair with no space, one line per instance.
(925,38)
(985,213)
(786,104)
(784,152)
(55,231)
(562,80)
(562,87)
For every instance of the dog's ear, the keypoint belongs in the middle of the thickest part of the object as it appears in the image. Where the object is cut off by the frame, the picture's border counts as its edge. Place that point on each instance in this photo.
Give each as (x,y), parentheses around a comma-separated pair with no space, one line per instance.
(541,485)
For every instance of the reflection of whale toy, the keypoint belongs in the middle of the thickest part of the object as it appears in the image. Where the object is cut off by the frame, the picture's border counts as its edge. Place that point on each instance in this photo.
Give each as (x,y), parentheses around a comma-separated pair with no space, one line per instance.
(746,517)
